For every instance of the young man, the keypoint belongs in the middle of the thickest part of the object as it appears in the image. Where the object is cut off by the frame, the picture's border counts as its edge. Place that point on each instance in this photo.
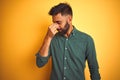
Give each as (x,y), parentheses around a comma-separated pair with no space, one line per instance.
(68,47)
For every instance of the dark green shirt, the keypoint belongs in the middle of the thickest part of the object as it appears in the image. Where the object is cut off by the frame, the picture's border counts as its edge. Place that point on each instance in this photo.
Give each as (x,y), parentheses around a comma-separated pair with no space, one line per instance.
(69,56)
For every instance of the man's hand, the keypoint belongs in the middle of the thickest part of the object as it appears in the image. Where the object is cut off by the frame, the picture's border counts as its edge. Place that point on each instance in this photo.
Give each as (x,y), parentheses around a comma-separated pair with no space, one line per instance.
(52,30)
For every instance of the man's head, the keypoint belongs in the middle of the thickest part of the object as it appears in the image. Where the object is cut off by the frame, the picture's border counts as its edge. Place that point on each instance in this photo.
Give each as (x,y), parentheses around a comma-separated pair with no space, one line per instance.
(62,8)
(62,15)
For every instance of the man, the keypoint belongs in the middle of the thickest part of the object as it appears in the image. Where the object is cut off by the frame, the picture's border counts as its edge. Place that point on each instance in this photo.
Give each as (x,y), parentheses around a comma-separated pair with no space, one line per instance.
(68,47)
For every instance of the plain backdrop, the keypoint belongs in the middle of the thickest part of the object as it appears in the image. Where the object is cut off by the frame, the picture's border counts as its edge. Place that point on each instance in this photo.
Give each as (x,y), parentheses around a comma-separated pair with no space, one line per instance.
(24,24)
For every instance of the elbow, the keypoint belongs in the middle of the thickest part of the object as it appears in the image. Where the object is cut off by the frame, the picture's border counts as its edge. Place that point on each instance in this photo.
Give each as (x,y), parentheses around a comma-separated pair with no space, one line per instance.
(40,62)
(39,65)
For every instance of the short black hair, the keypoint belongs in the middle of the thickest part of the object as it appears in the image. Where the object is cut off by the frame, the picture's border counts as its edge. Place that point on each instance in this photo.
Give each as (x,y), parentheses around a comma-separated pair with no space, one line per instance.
(63,8)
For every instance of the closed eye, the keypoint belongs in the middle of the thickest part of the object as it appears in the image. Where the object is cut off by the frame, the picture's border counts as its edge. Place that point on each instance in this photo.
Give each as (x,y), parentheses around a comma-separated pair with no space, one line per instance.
(58,22)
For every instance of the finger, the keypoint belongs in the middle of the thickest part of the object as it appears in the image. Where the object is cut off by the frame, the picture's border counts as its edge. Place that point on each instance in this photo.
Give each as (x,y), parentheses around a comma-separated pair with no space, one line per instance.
(54,27)
(55,31)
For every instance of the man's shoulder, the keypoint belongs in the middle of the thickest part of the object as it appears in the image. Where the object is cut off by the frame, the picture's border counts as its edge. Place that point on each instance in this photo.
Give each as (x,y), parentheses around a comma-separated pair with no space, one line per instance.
(83,34)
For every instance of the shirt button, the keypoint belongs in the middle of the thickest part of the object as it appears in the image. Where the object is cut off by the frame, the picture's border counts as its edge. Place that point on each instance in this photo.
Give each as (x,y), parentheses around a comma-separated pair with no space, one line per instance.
(65,58)
(65,68)
(65,48)
(64,78)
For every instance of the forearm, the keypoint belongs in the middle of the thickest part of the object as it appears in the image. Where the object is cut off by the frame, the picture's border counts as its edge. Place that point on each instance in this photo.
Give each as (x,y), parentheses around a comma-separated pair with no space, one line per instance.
(43,55)
(52,30)
(45,46)
(44,52)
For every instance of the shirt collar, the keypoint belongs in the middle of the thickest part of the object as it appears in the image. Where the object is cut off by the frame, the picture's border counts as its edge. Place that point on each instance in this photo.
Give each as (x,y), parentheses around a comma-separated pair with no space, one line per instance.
(74,31)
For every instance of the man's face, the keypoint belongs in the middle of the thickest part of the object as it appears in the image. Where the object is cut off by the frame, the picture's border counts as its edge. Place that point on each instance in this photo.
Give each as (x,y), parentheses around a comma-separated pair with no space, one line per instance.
(63,23)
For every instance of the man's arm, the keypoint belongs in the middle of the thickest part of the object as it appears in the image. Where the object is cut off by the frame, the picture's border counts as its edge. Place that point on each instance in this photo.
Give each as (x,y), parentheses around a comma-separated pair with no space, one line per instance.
(43,54)
(92,60)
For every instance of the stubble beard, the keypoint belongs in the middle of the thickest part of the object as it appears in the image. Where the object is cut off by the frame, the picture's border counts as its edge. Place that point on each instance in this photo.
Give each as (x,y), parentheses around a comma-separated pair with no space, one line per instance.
(65,29)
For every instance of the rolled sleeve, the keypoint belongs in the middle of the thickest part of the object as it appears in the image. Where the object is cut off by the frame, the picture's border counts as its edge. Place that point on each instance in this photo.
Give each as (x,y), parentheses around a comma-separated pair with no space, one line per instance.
(41,61)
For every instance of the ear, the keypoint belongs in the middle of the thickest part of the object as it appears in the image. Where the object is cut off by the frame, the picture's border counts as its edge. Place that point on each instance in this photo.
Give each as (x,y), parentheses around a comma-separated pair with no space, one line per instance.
(69,19)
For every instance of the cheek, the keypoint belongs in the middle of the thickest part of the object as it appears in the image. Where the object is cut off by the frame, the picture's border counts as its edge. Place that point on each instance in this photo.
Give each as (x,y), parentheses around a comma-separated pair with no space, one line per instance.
(62,25)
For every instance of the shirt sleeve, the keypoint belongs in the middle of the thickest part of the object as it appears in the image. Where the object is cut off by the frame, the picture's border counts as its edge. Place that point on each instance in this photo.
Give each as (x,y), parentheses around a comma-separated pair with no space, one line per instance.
(92,60)
(41,61)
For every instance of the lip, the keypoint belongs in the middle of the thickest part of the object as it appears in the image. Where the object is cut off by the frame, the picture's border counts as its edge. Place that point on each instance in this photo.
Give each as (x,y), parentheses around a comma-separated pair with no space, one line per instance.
(59,30)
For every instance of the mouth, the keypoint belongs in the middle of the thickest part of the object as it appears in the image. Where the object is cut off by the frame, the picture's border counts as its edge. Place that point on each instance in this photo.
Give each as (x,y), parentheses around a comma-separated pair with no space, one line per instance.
(59,29)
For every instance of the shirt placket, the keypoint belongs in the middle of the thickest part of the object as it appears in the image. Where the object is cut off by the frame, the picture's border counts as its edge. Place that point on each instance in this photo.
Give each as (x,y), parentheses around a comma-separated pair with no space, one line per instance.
(65,59)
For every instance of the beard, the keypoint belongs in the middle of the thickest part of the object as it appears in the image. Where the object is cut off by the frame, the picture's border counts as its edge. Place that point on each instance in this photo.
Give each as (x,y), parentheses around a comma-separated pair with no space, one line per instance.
(65,29)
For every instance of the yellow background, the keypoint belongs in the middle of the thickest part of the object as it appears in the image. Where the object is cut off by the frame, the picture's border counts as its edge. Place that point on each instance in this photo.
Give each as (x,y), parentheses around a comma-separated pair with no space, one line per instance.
(24,24)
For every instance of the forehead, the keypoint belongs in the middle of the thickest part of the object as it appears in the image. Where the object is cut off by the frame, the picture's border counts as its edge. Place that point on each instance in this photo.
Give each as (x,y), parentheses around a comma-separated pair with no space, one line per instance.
(58,17)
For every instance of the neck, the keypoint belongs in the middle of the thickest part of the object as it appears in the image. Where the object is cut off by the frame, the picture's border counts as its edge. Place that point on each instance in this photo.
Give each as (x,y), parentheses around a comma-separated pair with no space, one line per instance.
(69,31)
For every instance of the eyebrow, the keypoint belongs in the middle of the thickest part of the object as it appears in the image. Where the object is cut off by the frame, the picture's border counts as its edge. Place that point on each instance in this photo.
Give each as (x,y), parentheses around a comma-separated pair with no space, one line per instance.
(57,22)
